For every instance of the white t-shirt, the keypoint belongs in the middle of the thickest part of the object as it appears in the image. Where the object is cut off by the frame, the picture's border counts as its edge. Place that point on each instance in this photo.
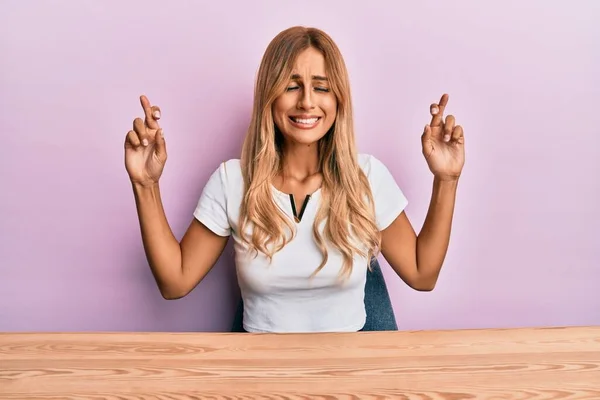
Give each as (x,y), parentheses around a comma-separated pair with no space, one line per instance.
(281,297)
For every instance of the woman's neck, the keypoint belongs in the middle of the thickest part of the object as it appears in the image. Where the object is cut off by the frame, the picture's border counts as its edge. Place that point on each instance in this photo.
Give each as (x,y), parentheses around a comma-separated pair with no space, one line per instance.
(300,162)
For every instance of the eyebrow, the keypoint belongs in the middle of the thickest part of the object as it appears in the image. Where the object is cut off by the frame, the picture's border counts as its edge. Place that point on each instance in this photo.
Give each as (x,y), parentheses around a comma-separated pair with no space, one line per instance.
(314,77)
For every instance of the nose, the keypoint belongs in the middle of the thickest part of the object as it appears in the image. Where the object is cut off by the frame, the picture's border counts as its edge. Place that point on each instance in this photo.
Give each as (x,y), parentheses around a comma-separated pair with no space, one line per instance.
(305,102)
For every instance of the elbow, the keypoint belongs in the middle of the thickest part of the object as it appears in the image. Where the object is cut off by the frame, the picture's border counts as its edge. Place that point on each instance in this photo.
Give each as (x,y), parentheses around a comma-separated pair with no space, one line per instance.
(172,286)
(424,285)
(173,293)
(428,287)
(171,296)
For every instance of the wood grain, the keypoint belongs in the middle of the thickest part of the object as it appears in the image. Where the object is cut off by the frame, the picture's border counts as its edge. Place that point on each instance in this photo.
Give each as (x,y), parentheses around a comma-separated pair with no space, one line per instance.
(527,364)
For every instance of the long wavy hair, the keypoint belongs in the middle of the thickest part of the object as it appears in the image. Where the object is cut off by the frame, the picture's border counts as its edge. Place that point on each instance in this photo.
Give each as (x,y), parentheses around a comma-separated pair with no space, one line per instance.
(347,207)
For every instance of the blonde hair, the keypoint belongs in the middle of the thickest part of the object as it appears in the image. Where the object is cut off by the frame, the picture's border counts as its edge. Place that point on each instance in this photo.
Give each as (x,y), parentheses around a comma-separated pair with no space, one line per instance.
(346,200)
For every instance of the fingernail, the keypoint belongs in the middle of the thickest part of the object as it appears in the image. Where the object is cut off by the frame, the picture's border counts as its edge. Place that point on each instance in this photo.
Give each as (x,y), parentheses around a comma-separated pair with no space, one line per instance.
(434,111)
(161,133)
(446,138)
(156,114)
(145,142)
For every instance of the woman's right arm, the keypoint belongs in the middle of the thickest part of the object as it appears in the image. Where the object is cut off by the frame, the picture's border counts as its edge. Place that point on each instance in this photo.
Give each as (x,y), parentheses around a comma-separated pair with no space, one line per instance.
(177,267)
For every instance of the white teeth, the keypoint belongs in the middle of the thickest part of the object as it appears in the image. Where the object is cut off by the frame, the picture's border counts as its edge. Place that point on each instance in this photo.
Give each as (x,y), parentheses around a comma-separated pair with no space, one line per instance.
(309,121)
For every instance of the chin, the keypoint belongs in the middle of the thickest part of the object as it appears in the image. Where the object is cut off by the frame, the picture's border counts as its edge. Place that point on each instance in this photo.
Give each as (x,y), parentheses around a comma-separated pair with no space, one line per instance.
(305,137)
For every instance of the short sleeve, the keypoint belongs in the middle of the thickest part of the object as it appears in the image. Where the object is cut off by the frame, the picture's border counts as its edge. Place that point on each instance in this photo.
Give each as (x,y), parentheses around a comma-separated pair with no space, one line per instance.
(211,209)
(389,199)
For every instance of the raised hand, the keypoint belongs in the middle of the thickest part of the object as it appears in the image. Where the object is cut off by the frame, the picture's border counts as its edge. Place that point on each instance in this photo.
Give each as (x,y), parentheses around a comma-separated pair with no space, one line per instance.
(443,143)
(145,148)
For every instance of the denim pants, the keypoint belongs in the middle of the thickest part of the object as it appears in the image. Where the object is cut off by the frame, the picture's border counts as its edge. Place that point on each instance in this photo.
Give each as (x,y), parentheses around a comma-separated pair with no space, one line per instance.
(380,315)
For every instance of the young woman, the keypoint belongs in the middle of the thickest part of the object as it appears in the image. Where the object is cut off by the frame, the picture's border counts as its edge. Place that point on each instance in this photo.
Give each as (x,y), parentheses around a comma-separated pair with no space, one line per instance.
(305,210)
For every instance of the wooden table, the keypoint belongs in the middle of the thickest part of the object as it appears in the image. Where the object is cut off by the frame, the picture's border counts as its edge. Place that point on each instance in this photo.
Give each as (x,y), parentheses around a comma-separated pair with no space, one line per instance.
(546,363)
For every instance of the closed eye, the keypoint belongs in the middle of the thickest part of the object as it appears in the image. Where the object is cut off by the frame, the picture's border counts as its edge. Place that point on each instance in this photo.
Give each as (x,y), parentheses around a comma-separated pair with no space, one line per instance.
(318,89)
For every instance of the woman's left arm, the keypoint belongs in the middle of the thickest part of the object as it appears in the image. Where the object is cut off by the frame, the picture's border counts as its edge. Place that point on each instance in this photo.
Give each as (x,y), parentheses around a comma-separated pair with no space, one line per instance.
(418,259)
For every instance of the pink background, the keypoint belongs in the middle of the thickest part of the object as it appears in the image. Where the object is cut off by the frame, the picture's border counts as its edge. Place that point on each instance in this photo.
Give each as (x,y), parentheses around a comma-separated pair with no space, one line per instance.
(522,78)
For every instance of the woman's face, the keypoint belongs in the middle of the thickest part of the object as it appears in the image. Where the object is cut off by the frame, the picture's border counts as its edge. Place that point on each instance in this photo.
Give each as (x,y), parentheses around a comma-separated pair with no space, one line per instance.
(307,109)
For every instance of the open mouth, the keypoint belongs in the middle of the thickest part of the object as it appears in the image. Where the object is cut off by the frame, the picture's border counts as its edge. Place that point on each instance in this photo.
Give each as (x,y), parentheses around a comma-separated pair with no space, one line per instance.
(305,123)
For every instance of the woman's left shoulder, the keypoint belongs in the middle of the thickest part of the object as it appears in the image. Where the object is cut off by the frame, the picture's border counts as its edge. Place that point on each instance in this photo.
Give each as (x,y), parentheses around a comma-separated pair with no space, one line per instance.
(389,199)
(371,165)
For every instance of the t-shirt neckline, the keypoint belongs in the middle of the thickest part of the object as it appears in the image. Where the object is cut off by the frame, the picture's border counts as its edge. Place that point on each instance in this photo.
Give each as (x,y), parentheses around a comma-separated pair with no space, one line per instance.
(287,195)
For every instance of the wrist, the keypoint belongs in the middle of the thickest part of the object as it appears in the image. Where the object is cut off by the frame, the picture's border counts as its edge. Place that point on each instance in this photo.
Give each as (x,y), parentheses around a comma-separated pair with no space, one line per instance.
(446,180)
(140,187)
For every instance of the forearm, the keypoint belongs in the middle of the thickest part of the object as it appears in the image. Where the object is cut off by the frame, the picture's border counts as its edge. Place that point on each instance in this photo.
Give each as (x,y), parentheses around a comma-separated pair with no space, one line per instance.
(433,240)
(162,249)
